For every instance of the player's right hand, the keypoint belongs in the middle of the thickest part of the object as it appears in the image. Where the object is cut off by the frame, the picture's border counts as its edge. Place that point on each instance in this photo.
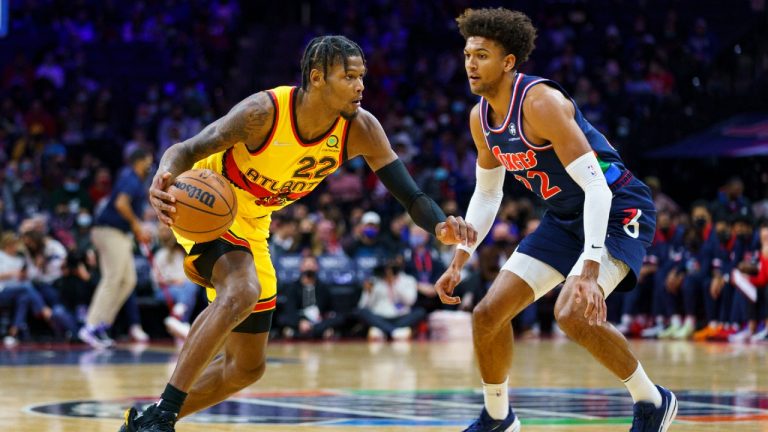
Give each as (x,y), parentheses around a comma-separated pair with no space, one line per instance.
(446,284)
(161,200)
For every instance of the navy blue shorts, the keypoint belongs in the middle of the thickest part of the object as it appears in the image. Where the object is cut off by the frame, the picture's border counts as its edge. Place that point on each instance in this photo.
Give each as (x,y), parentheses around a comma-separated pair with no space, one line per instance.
(559,240)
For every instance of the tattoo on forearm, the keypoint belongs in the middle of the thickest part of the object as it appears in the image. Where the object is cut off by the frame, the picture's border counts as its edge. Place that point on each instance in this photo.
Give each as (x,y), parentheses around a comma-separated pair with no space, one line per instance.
(245,122)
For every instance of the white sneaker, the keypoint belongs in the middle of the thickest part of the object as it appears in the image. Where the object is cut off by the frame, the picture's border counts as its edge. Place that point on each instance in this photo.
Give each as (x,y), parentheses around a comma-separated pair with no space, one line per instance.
(103,336)
(89,336)
(759,336)
(401,334)
(684,332)
(652,332)
(742,336)
(176,328)
(10,342)
(375,334)
(670,331)
(138,334)
(623,328)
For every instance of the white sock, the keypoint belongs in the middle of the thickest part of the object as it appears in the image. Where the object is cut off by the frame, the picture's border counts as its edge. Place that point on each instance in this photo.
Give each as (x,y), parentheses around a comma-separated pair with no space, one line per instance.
(641,387)
(496,397)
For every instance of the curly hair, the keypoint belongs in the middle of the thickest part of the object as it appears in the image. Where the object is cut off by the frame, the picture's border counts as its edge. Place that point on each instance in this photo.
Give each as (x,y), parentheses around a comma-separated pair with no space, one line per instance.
(325,51)
(512,29)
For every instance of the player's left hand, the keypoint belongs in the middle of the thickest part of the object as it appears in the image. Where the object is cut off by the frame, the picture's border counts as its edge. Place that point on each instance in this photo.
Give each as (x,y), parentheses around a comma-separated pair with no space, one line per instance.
(456,230)
(587,290)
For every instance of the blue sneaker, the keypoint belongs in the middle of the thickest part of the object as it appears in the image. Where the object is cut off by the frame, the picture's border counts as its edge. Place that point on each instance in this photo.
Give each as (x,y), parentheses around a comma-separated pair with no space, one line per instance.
(487,424)
(648,418)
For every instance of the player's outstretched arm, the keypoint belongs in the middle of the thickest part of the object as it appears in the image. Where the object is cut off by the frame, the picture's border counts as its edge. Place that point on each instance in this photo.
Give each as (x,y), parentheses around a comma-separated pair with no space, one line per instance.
(248,122)
(550,117)
(482,209)
(367,138)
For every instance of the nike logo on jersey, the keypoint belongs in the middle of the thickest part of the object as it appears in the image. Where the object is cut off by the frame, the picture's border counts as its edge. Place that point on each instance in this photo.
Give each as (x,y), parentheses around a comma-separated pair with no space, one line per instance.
(596,247)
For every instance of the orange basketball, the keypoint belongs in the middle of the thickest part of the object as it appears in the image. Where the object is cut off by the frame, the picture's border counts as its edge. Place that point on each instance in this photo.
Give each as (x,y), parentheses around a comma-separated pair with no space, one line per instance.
(206,205)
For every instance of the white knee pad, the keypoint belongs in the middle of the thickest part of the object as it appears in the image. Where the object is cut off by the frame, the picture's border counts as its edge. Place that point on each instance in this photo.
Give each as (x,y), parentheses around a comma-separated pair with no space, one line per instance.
(612,271)
(540,276)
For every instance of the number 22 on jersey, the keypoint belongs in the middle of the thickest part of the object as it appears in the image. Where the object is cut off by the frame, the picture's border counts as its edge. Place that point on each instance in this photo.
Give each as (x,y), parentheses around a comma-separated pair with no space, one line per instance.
(545,190)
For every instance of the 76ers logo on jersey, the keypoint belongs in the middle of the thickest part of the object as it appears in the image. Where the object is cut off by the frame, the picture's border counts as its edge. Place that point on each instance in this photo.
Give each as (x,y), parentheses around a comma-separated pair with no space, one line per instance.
(630,222)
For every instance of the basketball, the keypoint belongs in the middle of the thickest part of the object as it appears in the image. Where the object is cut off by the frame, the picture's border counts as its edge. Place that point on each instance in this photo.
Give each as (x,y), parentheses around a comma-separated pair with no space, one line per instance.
(206,205)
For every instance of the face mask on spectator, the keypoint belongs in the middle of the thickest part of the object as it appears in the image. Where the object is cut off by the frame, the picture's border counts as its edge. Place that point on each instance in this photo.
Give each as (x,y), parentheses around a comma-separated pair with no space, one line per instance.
(723,236)
(417,240)
(71,186)
(370,231)
(84,220)
(310,274)
(700,222)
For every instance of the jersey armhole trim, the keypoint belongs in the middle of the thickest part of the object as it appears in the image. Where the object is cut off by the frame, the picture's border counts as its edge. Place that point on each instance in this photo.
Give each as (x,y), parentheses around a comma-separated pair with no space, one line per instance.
(264,144)
(520,119)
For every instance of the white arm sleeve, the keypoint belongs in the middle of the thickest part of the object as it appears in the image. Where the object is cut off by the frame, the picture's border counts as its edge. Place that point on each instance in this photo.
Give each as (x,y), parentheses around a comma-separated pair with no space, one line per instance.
(485,202)
(586,172)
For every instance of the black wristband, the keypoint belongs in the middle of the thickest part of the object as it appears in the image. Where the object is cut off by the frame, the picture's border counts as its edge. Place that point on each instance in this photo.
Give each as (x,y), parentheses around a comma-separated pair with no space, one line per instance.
(423,210)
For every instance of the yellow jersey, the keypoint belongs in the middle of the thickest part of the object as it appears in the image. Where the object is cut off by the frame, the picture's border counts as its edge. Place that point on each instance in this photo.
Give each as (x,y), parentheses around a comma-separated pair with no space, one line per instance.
(285,168)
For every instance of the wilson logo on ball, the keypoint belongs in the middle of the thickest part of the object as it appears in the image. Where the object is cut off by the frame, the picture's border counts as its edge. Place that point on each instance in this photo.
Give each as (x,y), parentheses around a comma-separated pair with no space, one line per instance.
(195,192)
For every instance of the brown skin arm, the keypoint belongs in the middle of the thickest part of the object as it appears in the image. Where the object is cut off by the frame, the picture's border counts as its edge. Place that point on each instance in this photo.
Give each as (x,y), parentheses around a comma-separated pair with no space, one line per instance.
(548,117)
(367,139)
(123,206)
(452,276)
(248,122)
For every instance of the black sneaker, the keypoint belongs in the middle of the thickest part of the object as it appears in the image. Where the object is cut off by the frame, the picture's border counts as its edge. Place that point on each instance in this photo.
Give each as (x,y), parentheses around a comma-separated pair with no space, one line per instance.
(648,418)
(153,419)
(485,423)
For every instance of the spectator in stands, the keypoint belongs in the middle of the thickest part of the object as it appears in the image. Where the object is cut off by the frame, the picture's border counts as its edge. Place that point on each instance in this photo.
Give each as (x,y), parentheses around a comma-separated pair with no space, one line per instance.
(386,305)
(687,276)
(661,200)
(308,309)
(17,291)
(756,267)
(716,291)
(172,285)
(75,286)
(731,202)
(367,238)
(422,261)
(284,237)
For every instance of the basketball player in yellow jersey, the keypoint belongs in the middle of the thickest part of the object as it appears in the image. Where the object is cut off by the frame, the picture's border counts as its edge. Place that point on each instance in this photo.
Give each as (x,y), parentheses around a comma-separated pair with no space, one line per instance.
(274,147)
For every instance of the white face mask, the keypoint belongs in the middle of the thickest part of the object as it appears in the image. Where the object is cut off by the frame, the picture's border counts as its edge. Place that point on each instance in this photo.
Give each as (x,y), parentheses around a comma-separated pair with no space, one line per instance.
(84,220)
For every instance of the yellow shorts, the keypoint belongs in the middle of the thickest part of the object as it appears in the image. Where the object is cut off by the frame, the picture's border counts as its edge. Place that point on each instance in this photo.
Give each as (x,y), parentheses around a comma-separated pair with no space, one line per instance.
(245,234)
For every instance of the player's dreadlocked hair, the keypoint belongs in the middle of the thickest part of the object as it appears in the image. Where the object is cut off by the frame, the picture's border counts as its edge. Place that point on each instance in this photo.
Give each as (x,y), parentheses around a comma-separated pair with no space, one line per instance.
(512,29)
(325,51)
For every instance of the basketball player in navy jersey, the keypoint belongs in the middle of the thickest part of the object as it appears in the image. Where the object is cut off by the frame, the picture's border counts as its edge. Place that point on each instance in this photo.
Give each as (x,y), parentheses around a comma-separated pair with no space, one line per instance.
(599,218)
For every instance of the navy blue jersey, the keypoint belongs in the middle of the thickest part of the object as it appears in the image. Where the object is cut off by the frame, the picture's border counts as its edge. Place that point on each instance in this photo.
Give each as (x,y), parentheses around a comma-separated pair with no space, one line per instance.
(537,166)
(129,183)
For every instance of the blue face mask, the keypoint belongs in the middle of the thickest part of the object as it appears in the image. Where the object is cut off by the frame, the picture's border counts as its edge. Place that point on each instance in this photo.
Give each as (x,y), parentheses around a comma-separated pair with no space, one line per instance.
(440,174)
(417,240)
(71,186)
(370,232)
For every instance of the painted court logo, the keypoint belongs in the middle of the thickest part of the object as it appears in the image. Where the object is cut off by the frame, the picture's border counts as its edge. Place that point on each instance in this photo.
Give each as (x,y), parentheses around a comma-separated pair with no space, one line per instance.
(448,408)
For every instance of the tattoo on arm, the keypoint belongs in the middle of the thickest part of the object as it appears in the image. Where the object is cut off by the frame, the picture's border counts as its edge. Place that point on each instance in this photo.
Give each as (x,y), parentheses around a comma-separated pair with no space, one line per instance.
(245,122)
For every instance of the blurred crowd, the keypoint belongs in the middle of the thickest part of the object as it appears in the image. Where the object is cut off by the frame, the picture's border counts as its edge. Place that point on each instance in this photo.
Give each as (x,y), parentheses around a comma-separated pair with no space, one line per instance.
(84,84)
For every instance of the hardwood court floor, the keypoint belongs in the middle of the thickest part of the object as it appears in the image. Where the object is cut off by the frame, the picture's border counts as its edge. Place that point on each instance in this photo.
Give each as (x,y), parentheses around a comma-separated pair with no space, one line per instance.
(421,386)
